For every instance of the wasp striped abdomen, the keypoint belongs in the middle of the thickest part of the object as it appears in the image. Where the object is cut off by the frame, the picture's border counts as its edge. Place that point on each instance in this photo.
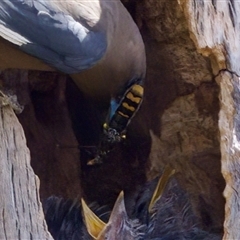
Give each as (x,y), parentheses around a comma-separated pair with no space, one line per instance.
(121,114)
(128,106)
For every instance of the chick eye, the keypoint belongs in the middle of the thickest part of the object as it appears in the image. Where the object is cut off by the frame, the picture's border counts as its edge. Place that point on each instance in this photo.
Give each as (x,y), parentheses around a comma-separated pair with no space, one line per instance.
(124,136)
(105,126)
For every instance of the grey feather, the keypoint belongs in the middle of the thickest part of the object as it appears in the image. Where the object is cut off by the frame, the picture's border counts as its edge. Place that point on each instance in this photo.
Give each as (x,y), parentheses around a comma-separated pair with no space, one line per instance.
(54,36)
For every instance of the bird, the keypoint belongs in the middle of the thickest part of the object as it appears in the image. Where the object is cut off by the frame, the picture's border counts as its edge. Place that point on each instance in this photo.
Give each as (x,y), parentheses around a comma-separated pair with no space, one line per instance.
(68,219)
(159,210)
(96,42)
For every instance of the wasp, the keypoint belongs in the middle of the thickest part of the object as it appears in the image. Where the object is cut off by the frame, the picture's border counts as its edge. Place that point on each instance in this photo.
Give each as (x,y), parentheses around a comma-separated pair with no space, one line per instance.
(120,115)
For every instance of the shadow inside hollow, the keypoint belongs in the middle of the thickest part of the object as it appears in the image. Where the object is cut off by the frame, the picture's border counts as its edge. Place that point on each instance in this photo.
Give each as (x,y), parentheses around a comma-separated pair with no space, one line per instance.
(124,167)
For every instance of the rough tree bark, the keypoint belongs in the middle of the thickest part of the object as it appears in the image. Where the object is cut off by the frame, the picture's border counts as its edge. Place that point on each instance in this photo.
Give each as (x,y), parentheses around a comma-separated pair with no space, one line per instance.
(215,29)
(21,212)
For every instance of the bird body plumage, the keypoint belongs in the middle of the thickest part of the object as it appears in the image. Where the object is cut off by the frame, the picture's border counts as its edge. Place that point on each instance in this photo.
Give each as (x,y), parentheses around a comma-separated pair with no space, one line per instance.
(43,29)
(96,42)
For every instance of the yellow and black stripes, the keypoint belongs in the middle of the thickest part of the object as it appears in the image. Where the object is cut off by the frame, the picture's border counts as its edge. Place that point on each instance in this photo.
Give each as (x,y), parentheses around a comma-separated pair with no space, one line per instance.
(128,106)
(120,115)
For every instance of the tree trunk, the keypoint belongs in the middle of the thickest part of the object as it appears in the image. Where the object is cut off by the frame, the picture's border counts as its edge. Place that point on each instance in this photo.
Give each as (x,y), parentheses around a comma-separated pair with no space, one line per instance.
(215,29)
(21,210)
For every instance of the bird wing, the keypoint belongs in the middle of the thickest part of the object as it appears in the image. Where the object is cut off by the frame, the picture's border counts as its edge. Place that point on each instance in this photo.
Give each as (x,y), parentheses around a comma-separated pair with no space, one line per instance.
(44,30)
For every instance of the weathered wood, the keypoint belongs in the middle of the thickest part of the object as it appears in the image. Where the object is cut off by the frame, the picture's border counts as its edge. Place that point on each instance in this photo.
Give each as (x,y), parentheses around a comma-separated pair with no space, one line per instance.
(215,29)
(230,149)
(20,207)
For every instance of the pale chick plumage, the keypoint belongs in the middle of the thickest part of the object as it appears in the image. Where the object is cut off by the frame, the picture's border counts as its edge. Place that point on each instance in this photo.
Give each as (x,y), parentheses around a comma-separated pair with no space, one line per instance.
(95,41)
